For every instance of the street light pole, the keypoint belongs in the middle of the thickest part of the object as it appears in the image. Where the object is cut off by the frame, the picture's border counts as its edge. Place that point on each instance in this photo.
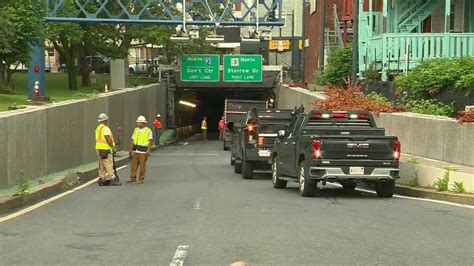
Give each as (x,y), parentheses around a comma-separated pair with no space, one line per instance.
(355,41)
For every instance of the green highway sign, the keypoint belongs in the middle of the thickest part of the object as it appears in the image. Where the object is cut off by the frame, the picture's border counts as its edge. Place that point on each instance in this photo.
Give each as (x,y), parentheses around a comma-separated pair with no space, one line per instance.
(200,68)
(242,68)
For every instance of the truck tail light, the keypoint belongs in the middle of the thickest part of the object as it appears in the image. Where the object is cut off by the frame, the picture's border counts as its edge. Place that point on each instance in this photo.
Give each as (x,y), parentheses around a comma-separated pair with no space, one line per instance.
(397,148)
(261,140)
(363,116)
(339,115)
(316,146)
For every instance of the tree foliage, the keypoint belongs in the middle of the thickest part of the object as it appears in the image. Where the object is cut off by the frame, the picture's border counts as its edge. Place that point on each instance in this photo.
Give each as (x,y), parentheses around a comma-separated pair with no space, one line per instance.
(338,68)
(434,76)
(21,24)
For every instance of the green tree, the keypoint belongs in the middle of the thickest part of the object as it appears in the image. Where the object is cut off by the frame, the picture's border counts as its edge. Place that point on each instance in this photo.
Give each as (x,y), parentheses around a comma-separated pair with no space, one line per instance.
(21,24)
(66,39)
(338,67)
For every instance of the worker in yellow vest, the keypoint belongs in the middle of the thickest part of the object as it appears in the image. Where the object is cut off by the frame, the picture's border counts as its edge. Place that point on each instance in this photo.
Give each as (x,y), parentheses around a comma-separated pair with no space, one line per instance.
(204,128)
(105,146)
(142,139)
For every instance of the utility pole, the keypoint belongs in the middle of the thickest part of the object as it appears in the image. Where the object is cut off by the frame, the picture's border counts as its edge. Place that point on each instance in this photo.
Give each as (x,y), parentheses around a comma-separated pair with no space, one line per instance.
(293,45)
(323,31)
(303,40)
(355,42)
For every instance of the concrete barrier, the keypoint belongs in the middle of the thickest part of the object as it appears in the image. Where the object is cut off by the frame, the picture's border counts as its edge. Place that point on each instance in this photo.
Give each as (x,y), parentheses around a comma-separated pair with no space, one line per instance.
(427,136)
(44,140)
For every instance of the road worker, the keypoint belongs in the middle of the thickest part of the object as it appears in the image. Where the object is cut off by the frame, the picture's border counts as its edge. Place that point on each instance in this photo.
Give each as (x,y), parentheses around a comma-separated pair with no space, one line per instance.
(142,139)
(105,146)
(204,128)
(221,128)
(157,124)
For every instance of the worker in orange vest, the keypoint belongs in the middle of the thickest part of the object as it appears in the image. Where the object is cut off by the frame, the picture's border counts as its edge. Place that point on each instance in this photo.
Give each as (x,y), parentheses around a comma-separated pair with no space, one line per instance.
(221,128)
(157,124)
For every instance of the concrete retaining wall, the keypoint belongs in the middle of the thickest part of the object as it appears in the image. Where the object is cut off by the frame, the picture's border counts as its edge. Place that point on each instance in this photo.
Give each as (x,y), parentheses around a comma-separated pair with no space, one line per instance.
(422,135)
(44,140)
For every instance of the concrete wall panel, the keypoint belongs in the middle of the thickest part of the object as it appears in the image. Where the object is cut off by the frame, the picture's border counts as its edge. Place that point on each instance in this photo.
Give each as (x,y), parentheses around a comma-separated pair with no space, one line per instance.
(61,136)
(427,136)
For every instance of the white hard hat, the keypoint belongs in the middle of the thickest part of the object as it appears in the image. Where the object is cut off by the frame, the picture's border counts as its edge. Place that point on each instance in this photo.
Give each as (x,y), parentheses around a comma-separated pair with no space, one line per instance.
(141,119)
(103,117)
(158,115)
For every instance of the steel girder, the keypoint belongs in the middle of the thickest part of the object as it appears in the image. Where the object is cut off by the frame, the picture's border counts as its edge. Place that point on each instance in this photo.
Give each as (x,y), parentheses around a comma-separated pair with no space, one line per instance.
(196,12)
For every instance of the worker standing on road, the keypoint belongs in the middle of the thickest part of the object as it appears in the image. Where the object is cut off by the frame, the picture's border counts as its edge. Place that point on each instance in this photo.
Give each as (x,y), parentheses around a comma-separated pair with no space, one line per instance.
(105,146)
(142,139)
(157,124)
(204,128)
(221,128)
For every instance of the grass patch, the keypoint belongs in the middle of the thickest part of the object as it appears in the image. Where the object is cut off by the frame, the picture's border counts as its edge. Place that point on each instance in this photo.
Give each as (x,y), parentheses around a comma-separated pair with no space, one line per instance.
(57,88)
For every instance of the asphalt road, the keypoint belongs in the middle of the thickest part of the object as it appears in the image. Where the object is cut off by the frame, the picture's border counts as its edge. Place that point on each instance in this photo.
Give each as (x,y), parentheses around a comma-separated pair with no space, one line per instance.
(191,197)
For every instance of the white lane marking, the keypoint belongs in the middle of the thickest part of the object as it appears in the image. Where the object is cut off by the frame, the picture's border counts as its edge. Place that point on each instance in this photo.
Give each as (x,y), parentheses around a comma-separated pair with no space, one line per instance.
(179,255)
(197,204)
(411,198)
(185,154)
(422,199)
(46,201)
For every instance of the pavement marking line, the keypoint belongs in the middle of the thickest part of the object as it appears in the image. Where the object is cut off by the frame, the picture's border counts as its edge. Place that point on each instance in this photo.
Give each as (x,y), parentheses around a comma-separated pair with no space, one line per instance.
(412,198)
(180,255)
(422,199)
(49,200)
(185,154)
(197,204)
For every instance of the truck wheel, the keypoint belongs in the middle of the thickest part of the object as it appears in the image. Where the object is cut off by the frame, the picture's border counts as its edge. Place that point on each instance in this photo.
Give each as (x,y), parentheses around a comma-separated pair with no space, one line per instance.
(277,182)
(385,189)
(308,187)
(224,147)
(247,170)
(238,167)
(348,185)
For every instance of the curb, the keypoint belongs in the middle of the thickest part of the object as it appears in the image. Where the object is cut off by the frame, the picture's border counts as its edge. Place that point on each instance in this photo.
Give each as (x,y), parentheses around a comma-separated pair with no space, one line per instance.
(53,188)
(57,186)
(467,199)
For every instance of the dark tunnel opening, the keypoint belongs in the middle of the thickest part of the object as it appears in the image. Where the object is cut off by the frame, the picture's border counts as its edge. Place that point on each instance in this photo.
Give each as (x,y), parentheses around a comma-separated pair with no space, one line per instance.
(210,104)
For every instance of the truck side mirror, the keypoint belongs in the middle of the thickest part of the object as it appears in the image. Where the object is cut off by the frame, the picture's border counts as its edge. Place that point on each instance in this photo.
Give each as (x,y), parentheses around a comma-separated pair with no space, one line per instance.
(281,134)
(230,126)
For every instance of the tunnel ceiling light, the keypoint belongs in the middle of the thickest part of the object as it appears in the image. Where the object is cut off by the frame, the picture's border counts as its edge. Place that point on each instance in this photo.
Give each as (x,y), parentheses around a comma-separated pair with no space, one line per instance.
(187,104)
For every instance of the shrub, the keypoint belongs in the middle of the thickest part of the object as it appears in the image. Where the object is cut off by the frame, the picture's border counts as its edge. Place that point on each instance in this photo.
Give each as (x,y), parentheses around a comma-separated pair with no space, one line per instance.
(442,183)
(466,116)
(23,186)
(431,77)
(352,99)
(458,187)
(338,68)
(430,107)
(377,97)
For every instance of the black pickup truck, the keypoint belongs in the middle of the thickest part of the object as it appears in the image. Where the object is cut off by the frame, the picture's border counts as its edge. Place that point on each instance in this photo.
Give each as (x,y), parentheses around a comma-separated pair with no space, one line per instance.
(253,139)
(335,146)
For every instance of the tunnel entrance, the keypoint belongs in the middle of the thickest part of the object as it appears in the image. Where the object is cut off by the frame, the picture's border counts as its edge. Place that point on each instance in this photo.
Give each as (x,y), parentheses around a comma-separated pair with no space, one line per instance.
(209,99)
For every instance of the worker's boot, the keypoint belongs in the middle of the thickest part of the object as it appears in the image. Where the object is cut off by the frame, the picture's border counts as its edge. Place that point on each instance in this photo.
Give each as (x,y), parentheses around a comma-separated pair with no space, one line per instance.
(115,182)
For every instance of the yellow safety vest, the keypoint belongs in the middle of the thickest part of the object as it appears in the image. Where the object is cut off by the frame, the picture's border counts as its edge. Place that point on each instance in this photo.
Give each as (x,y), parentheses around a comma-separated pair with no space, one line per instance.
(100,141)
(142,138)
(204,124)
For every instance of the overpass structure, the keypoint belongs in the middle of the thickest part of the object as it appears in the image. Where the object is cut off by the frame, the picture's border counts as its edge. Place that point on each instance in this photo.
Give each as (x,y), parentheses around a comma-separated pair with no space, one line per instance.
(213,13)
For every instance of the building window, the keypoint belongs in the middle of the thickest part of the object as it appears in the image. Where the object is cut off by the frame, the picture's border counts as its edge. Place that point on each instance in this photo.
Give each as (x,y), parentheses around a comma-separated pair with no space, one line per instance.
(452,17)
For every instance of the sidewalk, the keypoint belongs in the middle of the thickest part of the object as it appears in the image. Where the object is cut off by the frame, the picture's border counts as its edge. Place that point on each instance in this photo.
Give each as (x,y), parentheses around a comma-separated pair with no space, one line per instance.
(418,175)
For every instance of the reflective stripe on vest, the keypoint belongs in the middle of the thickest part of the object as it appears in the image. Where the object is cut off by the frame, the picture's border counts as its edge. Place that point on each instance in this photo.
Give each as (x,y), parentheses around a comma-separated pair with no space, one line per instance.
(100,141)
(204,124)
(142,138)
